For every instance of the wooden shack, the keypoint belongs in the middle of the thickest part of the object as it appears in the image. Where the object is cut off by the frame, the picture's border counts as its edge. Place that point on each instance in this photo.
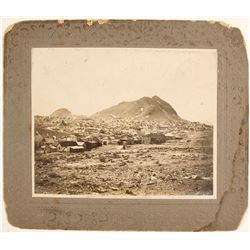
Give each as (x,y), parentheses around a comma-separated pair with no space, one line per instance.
(154,138)
(76,149)
(92,144)
(64,145)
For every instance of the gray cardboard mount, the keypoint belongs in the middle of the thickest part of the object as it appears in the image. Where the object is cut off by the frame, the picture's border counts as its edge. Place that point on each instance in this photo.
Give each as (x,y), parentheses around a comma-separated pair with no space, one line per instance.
(222,213)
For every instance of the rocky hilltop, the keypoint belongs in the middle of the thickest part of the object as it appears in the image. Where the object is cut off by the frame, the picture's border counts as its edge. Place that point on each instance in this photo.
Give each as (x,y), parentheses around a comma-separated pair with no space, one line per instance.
(61,113)
(64,113)
(145,108)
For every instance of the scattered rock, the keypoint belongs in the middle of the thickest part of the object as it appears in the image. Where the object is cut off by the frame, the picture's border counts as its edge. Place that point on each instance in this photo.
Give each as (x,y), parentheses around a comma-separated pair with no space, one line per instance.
(87,156)
(125,157)
(101,190)
(129,192)
(100,166)
(54,175)
(122,164)
(173,179)
(102,159)
(162,176)
(152,181)
(196,177)
(121,183)
(115,155)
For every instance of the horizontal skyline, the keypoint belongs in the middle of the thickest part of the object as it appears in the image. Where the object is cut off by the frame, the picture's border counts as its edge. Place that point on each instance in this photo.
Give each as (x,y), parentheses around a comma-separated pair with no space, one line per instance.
(88,80)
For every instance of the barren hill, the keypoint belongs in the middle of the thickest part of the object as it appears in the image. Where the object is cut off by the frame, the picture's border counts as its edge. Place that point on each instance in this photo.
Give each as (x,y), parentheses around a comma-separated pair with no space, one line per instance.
(65,113)
(148,108)
(61,113)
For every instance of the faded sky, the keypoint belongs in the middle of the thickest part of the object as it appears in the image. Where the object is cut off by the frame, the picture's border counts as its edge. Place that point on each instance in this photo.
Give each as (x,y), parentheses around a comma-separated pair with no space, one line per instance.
(87,80)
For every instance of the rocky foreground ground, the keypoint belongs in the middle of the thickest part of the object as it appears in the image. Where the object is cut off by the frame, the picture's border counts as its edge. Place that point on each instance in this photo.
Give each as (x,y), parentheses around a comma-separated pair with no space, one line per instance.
(180,167)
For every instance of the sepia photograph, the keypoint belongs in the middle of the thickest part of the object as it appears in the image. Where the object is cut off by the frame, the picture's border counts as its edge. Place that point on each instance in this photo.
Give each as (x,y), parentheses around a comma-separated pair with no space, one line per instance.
(131,121)
(124,122)
(125,125)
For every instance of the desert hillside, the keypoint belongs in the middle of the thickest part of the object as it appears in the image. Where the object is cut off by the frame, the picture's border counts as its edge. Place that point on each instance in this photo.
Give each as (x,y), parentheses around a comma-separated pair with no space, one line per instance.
(61,113)
(145,108)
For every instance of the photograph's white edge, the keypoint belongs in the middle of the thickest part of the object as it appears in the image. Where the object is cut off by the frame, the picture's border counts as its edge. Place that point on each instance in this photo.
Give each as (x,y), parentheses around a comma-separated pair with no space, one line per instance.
(145,197)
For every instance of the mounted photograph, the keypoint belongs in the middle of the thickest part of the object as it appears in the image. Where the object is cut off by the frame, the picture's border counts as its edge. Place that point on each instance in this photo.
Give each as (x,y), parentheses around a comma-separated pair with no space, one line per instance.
(124,122)
(125,125)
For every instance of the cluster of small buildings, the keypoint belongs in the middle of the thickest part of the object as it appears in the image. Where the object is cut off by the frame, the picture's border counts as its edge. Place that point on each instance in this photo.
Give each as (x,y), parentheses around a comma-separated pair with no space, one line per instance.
(88,133)
(69,144)
(72,145)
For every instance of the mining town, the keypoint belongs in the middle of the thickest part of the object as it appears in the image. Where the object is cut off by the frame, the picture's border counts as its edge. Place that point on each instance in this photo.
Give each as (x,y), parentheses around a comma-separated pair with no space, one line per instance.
(135,148)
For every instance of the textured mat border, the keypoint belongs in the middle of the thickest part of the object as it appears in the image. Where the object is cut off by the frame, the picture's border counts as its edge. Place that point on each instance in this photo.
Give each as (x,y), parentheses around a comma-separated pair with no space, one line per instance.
(224,213)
